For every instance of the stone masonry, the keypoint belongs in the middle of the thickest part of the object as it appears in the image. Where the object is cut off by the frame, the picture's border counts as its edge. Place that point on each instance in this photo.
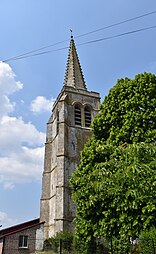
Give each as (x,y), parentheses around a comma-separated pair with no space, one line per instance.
(9,238)
(67,132)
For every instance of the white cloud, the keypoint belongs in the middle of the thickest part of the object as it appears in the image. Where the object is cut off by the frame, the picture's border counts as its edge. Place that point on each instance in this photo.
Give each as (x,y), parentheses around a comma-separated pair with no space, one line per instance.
(5,220)
(15,132)
(21,144)
(3,216)
(23,167)
(8,85)
(5,105)
(41,104)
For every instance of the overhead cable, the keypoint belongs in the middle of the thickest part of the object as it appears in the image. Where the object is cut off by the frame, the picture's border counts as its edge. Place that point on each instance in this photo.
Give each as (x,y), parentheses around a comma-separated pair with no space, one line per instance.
(84,43)
(116,24)
(118,35)
(78,36)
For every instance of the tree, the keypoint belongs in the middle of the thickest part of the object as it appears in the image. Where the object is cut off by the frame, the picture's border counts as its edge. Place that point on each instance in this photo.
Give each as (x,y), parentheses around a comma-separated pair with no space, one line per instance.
(114,186)
(128,113)
(148,241)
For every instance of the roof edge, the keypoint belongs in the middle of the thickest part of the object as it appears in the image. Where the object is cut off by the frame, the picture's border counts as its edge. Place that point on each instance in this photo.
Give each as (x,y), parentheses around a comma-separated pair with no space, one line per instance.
(20,227)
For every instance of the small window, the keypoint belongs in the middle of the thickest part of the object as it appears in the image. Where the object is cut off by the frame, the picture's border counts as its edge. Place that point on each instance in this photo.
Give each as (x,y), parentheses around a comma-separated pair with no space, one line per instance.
(77,115)
(87,112)
(23,241)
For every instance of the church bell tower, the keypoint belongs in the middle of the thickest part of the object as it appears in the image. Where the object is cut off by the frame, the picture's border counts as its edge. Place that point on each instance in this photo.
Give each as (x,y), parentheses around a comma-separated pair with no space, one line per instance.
(67,131)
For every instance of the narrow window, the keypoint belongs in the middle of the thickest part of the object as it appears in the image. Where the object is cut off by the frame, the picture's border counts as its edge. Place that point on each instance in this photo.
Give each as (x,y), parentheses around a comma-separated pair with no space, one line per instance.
(77,115)
(87,113)
(23,241)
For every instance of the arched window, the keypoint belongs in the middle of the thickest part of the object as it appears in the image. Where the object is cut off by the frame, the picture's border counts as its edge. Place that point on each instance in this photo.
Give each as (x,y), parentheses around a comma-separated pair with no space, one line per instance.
(87,113)
(77,115)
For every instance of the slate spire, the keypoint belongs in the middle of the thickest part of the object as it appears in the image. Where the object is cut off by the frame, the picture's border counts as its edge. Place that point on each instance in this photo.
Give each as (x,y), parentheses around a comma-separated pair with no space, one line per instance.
(74,76)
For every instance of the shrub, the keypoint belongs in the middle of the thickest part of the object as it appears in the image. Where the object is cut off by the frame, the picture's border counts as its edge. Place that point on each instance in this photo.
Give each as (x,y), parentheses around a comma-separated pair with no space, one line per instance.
(64,238)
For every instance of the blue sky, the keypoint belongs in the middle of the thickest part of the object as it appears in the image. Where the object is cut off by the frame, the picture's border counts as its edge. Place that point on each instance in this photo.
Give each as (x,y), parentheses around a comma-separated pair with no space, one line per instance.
(29,86)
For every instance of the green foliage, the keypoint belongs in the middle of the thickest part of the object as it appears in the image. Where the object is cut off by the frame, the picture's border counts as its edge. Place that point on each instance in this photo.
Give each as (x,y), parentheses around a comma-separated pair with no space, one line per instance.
(53,243)
(118,197)
(114,186)
(128,113)
(148,241)
(95,246)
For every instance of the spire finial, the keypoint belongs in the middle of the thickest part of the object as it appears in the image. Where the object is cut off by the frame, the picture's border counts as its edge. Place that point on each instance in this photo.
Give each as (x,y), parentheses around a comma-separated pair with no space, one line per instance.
(71,31)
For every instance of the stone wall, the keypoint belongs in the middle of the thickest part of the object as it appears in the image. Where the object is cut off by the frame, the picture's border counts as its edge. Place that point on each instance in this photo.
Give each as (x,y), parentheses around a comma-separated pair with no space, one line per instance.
(64,142)
(35,241)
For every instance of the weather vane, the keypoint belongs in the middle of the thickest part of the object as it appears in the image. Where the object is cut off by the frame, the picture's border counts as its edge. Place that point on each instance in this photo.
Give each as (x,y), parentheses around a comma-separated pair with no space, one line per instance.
(71,33)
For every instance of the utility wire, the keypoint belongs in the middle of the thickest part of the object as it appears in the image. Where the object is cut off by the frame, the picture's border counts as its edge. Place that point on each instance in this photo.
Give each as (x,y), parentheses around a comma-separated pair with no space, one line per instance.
(36,54)
(78,36)
(84,43)
(118,35)
(35,50)
(116,24)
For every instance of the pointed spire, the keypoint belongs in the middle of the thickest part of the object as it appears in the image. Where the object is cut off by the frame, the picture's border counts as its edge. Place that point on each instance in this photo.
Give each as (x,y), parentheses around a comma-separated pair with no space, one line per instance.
(74,76)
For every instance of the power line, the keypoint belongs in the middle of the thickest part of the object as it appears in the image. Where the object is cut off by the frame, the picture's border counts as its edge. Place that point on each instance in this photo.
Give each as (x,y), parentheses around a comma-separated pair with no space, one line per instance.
(84,43)
(118,35)
(116,24)
(81,35)
(35,50)
(36,54)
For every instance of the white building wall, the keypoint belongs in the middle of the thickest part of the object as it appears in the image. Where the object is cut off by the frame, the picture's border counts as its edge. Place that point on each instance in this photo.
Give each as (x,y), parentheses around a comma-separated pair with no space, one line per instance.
(39,238)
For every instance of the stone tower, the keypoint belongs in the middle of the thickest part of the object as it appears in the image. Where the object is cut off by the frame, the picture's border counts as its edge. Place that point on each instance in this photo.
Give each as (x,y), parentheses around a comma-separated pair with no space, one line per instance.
(67,131)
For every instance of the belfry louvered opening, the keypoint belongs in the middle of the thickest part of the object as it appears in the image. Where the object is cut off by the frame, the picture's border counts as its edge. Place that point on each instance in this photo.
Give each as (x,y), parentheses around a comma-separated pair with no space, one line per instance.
(87,112)
(77,115)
